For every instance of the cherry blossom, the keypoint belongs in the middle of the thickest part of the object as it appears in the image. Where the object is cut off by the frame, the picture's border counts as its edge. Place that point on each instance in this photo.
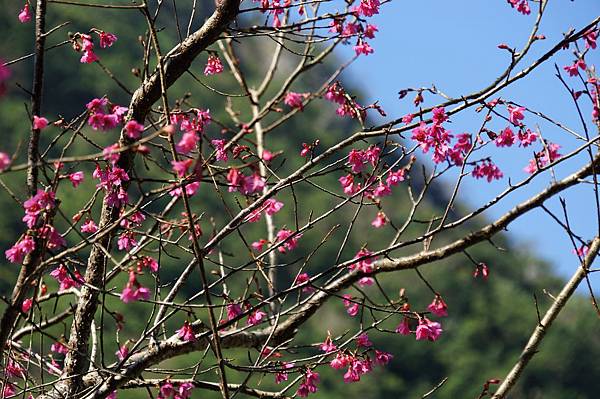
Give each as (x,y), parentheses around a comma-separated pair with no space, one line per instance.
(213,65)
(25,14)
(39,122)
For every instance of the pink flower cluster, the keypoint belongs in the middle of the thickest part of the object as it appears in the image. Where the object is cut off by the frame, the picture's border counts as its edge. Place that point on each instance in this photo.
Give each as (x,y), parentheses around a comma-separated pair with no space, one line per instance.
(289,239)
(572,69)
(66,279)
(295,100)
(488,170)
(104,115)
(522,6)
(270,207)
(308,384)
(36,206)
(246,185)
(186,333)
(179,391)
(365,266)
(351,306)
(191,126)
(85,44)
(543,158)
(111,181)
(133,290)
(347,106)
(213,65)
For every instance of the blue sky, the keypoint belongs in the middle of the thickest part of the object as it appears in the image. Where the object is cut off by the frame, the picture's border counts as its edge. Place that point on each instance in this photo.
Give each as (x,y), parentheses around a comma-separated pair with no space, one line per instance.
(453,44)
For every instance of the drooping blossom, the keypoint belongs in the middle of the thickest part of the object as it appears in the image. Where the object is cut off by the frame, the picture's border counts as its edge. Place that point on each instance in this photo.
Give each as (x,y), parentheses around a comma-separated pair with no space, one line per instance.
(220,154)
(39,122)
(190,189)
(25,14)
(543,158)
(488,170)
(233,311)
(328,345)
(368,8)
(127,241)
(282,376)
(506,138)
(515,115)
(17,252)
(256,317)
(66,279)
(213,65)
(351,306)
(294,100)
(186,333)
(379,221)
(363,341)
(591,37)
(134,129)
(482,269)
(5,161)
(303,279)
(428,329)
(291,240)
(527,137)
(133,290)
(26,305)
(258,245)
(59,347)
(382,358)
(404,327)
(122,352)
(362,47)
(76,178)
(572,69)
(308,384)
(438,307)
(181,167)
(107,39)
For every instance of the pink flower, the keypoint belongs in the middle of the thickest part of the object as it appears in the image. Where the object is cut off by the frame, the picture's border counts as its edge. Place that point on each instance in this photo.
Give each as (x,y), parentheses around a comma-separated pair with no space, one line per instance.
(221,154)
(63,276)
(186,333)
(181,167)
(483,269)
(543,158)
(107,39)
(488,170)
(213,65)
(127,241)
(59,347)
(122,352)
(351,306)
(233,311)
(590,39)
(379,221)
(267,156)
(438,307)
(133,129)
(403,328)
(282,376)
(308,384)
(382,358)
(515,115)
(256,317)
(190,189)
(363,340)
(258,245)
(428,330)
(362,47)
(370,31)
(5,161)
(506,138)
(527,138)
(303,279)
(25,14)
(272,206)
(39,122)
(368,8)
(76,178)
(439,115)
(328,345)
(18,251)
(187,143)
(406,119)
(291,240)
(294,100)
(26,305)
(394,178)
(89,227)
(572,69)
(88,57)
